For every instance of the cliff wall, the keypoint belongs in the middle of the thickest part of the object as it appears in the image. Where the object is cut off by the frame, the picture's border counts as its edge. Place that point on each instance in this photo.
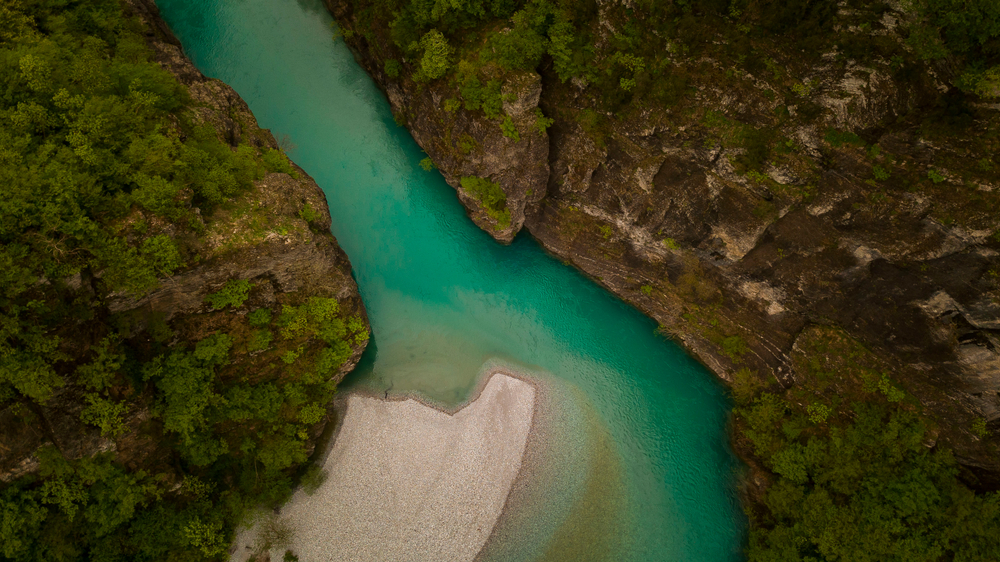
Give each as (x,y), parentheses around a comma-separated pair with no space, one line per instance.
(759,270)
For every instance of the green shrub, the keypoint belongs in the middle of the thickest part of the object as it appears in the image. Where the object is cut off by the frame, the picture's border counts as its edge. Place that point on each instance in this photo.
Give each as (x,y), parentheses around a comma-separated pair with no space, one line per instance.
(465,143)
(437,53)
(734,347)
(891,392)
(509,129)
(260,340)
(392,68)
(979,428)
(935,176)
(818,413)
(518,49)
(562,37)
(745,385)
(108,360)
(427,164)
(105,414)
(316,318)
(492,101)
(291,356)
(308,213)
(276,161)
(493,198)
(260,317)
(542,123)
(356,326)
(488,193)
(234,293)
(162,254)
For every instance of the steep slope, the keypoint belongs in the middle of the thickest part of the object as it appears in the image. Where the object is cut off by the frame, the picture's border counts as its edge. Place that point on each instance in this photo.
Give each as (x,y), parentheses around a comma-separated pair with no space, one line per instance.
(193,381)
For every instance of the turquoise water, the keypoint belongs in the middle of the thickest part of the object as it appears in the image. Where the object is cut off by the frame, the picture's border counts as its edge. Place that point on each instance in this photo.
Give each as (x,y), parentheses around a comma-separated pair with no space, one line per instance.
(641,418)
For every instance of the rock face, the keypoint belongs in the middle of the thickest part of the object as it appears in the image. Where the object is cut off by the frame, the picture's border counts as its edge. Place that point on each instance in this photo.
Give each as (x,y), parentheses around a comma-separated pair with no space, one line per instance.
(463,143)
(287,256)
(738,267)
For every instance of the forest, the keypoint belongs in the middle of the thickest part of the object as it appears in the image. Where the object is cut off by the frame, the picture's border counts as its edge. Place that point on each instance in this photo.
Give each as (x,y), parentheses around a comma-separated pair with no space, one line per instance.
(109,185)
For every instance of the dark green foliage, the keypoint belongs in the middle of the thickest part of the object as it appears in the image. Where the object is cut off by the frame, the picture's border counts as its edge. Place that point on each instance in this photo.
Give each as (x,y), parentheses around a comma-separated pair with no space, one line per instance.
(565,50)
(260,340)
(234,293)
(108,415)
(102,369)
(393,68)
(308,213)
(476,96)
(508,129)
(436,57)
(100,159)
(91,132)
(488,193)
(734,347)
(522,47)
(865,489)
(357,327)
(493,198)
(959,26)
(542,123)
(186,384)
(259,317)
(275,161)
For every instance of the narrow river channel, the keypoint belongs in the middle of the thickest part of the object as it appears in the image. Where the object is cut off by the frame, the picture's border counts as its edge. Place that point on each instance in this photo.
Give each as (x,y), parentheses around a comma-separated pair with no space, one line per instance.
(640,469)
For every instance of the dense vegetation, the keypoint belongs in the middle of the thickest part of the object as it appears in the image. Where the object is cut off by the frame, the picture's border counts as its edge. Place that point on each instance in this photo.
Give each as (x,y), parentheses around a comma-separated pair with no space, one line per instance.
(108,184)
(473,42)
(856,475)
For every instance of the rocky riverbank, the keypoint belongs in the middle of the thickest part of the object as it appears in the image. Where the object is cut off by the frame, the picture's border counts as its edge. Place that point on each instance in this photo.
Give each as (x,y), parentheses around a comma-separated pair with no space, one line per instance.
(759,270)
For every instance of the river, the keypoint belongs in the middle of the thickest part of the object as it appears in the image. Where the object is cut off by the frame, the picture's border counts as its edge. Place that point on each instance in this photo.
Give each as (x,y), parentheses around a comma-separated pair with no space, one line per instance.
(641,469)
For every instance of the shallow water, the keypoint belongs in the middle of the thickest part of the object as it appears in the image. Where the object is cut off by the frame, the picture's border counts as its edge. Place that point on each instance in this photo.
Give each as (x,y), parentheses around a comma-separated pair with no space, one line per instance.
(635,464)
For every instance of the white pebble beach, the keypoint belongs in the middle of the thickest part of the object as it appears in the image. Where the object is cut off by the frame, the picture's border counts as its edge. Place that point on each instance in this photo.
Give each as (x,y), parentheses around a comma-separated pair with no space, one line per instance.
(409,482)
